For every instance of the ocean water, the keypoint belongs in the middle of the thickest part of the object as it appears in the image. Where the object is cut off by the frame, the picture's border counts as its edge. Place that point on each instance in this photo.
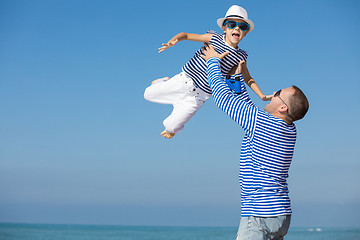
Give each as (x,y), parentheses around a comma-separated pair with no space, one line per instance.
(91,232)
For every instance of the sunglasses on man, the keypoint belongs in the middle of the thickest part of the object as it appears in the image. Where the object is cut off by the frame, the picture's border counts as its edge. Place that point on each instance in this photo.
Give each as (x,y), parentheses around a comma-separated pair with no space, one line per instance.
(277,94)
(232,24)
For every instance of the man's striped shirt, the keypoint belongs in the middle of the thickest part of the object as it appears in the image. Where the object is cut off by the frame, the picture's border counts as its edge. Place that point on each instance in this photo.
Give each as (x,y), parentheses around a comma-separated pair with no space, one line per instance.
(266,150)
(195,68)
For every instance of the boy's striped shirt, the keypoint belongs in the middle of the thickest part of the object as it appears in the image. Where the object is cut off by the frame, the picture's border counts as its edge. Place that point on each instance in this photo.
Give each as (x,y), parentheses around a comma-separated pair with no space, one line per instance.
(266,150)
(195,68)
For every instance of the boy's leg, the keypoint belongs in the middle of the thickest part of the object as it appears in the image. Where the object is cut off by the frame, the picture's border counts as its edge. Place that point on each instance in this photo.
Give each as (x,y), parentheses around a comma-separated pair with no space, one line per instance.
(183,111)
(181,93)
(164,90)
(175,122)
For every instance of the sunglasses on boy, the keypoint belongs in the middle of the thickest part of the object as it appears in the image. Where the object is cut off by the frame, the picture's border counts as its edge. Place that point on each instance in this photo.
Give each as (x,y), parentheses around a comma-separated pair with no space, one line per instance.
(232,24)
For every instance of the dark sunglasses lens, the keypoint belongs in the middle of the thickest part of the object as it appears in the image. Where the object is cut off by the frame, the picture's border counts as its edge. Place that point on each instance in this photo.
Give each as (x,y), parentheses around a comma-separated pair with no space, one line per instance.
(231,25)
(277,93)
(244,26)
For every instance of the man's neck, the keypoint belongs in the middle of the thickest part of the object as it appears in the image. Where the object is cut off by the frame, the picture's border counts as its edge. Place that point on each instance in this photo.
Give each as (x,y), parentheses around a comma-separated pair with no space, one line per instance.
(282,117)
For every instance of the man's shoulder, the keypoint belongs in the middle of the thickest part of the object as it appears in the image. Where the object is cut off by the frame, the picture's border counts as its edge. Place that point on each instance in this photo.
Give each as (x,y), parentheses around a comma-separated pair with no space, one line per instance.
(270,120)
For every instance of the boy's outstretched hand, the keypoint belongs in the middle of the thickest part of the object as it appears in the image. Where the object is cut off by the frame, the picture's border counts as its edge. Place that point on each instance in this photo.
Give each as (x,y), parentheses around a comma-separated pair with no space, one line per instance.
(209,52)
(267,97)
(167,45)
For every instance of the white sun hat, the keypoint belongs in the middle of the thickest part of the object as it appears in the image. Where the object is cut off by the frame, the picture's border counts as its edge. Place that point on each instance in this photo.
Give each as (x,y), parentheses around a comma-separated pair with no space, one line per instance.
(236,12)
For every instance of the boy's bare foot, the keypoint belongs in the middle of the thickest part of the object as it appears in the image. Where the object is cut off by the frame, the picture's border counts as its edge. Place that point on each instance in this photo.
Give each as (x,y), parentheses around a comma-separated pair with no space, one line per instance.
(167,134)
(160,79)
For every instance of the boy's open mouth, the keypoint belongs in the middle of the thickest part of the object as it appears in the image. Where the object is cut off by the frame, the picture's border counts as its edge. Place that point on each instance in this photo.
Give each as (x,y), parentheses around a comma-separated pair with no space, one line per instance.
(236,35)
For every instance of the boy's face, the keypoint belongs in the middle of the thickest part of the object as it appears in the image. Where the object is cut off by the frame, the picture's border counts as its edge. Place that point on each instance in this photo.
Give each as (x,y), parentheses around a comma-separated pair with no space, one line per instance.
(234,36)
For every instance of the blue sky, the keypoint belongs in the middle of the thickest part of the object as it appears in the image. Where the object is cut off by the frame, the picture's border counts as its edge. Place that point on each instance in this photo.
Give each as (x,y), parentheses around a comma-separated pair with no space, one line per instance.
(79,144)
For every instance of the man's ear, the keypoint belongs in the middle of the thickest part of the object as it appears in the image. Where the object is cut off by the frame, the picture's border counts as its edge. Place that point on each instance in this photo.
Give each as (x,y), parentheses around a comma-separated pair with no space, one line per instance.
(223,28)
(283,109)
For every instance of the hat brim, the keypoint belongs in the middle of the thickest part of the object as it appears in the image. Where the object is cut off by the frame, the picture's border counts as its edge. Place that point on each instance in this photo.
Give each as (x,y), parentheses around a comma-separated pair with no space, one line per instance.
(220,22)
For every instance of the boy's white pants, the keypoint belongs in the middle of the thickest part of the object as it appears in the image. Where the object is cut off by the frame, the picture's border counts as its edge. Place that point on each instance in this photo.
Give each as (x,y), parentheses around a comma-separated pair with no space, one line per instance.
(182,94)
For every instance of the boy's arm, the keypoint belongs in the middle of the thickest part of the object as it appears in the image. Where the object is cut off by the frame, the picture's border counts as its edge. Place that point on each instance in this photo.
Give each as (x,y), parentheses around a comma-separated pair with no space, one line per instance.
(251,82)
(185,36)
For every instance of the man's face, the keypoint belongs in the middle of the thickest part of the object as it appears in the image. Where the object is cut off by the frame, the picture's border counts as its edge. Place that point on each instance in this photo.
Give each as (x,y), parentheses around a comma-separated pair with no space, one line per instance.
(235,35)
(277,102)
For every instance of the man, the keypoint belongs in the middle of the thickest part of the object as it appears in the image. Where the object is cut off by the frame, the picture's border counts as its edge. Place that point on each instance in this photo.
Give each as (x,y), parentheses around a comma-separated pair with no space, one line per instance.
(266,150)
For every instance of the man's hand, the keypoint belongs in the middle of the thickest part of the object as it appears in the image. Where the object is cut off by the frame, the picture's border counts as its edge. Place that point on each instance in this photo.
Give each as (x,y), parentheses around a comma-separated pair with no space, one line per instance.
(209,52)
(167,45)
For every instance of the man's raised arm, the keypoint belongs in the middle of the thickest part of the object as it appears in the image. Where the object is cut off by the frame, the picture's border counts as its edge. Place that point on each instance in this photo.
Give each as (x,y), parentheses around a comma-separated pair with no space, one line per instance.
(233,105)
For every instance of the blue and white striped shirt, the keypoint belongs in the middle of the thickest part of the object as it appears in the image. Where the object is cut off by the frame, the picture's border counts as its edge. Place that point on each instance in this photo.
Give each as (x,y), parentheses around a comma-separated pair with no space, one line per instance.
(266,150)
(195,68)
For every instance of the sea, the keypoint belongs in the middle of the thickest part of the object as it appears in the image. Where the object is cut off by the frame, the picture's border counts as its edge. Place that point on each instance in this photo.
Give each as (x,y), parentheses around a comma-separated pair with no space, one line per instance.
(11,231)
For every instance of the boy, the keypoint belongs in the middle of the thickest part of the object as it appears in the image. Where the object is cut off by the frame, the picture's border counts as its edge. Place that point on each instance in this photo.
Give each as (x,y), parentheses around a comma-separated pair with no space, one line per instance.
(189,90)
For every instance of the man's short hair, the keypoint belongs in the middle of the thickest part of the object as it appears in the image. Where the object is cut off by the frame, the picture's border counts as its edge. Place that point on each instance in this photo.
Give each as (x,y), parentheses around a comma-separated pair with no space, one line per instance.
(299,104)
